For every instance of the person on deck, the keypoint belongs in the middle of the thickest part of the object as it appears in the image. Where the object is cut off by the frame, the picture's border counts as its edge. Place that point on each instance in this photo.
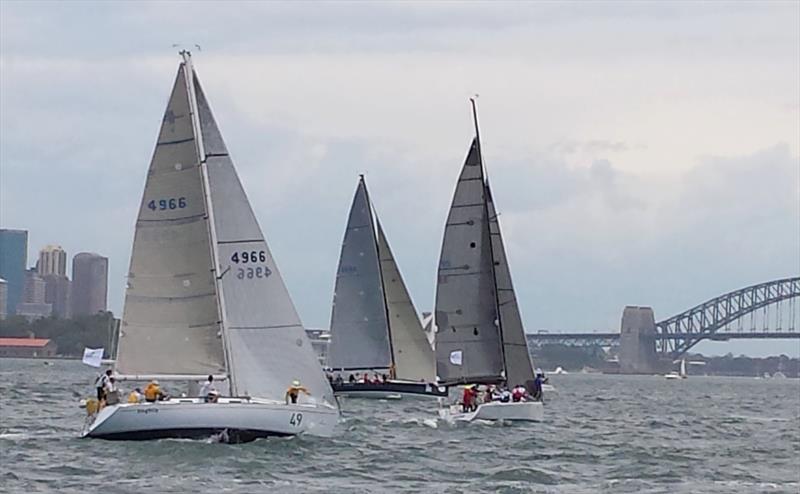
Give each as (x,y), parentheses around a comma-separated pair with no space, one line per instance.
(152,392)
(351,379)
(100,383)
(538,392)
(519,393)
(468,400)
(135,396)
(112,392)
(207,389)
(294,391)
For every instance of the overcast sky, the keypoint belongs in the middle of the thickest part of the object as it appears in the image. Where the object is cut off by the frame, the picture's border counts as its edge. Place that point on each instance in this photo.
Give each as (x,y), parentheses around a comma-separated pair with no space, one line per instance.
(640,153)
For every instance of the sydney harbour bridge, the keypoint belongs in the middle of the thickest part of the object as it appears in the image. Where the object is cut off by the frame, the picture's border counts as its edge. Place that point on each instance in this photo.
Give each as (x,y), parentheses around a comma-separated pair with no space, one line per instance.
(767,310)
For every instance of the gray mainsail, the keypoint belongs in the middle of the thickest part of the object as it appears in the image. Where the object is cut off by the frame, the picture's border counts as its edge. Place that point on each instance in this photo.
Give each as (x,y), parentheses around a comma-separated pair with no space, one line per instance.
(519,369)
(359,337)
(266,342)
(413,355)
(468,344)
(170,322)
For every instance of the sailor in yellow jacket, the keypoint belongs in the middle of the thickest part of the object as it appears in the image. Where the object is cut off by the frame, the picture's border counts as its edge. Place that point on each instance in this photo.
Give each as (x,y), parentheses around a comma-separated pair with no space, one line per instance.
(294,391)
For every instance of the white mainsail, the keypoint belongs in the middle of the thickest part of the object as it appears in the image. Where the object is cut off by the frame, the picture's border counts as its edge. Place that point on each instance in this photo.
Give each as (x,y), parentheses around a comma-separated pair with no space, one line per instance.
(227,308)
(170,322)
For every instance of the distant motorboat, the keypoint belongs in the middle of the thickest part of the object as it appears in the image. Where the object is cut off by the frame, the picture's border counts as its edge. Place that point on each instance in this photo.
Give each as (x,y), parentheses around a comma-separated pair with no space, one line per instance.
(778,375)
(559,370)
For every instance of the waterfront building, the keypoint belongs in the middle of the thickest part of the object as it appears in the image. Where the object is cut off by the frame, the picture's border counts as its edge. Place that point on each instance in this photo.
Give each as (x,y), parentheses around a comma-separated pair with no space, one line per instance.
(13,259)
(52,260)
(27,347)
(89,283)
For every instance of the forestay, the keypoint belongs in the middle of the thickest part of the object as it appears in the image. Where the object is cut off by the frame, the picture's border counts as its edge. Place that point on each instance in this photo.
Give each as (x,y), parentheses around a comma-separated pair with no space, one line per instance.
(267,345)
(170,322)
(519,369)
(359,336)
(413,355)
(468,346)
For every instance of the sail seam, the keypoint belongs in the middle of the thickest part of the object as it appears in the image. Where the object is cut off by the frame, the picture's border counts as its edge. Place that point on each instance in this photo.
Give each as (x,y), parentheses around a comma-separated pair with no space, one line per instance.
(225,242)
(178,141)
(173,220)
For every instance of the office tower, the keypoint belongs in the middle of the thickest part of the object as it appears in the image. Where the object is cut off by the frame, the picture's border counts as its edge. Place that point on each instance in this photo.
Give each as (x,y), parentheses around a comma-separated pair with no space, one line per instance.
(13,259)
(52,260)
(89,283)
(3,298)
(57,290)
(34,288)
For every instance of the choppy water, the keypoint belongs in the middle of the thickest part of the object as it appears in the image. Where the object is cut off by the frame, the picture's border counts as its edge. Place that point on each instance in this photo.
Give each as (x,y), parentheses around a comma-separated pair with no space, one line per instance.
(603,434)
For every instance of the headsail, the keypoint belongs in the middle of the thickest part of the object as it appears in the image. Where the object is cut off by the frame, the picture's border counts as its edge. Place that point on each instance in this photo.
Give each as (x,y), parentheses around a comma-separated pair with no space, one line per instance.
(359,336)
(468,345)
(519,369)
(267,345)
(170,322)
(413,355)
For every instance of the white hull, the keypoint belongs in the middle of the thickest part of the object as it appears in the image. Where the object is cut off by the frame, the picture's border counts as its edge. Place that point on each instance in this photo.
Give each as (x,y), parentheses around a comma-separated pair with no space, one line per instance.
(548,387)
(238,419)
(528,411)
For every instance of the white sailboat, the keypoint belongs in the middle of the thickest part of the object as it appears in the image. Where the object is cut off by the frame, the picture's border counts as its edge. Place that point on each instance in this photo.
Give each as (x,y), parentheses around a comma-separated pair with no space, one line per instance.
(678,375)
(479,334)
(204,297)
(374,325)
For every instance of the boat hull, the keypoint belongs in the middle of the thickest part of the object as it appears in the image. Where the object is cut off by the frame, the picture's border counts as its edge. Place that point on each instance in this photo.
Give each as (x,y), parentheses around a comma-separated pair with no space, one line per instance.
(528,411)
(234,420)
(389,390)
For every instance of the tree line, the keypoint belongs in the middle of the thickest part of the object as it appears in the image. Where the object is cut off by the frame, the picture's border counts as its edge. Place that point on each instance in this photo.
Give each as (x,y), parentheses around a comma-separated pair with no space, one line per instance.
(71,336)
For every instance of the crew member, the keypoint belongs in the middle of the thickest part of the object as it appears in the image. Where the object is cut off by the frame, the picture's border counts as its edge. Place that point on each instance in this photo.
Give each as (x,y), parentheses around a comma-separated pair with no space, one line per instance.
(135,396)
(152,392)
(101,383)
(207,389)
(294,391)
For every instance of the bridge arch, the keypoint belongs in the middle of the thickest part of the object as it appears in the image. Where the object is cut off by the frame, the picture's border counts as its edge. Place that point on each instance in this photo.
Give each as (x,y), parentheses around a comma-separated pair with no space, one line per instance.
(676,335)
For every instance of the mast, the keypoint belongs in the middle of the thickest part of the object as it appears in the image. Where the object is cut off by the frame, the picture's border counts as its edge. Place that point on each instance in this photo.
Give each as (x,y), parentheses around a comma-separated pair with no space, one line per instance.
(491,248)
(380,274)
(198,134)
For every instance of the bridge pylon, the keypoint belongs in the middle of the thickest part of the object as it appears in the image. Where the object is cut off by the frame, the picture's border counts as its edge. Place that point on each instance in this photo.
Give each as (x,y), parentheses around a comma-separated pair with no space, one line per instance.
(637,339)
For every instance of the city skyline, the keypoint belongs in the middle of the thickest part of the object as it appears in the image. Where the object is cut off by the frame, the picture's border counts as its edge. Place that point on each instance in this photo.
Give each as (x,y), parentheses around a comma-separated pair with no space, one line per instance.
(665,187)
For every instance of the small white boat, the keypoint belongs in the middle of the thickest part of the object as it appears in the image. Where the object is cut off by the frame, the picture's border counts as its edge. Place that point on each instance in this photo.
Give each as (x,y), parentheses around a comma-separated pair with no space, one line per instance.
(192,418)
(677,374)
(529,411)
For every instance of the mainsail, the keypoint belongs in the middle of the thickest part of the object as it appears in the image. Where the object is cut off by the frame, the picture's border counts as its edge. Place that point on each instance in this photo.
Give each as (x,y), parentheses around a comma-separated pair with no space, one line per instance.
(257,335)
(373,323)
(359,339)
(479,335)
(468,345)
(170,322)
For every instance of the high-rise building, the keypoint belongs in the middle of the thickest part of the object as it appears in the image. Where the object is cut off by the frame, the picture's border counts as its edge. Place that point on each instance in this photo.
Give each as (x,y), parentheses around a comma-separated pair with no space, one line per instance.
(34,288)
(52,260)
(57,290)
(13,259)
(89,283)
(3,298)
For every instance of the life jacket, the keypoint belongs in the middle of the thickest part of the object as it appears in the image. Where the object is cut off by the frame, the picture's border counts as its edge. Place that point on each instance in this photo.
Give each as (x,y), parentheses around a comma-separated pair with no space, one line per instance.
(151,392)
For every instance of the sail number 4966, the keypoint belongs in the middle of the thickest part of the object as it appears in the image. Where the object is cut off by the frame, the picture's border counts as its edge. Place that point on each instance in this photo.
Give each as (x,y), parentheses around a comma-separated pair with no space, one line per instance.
(168,203)
(251,257)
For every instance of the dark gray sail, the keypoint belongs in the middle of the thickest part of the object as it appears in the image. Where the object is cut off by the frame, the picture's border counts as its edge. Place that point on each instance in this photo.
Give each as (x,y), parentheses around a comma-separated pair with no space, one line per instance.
(519,369)
(468,345)
(359,335)
(266,342)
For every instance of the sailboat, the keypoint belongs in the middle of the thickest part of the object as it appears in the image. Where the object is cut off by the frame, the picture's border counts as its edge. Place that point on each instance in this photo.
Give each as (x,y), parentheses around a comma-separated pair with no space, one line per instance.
(374,325)
(479,334)
(678,375)
(204,297)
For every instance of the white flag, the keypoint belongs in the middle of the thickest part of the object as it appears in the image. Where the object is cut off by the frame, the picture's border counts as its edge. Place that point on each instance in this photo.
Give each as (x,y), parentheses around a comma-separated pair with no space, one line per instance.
(93,356)
(455,357)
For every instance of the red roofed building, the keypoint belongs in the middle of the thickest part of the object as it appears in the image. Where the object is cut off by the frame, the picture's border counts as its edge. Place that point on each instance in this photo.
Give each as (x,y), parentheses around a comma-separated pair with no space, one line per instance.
(27,347)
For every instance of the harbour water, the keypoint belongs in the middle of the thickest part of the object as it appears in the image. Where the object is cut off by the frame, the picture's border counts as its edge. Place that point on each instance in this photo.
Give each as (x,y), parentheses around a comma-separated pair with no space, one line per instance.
(603,434)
